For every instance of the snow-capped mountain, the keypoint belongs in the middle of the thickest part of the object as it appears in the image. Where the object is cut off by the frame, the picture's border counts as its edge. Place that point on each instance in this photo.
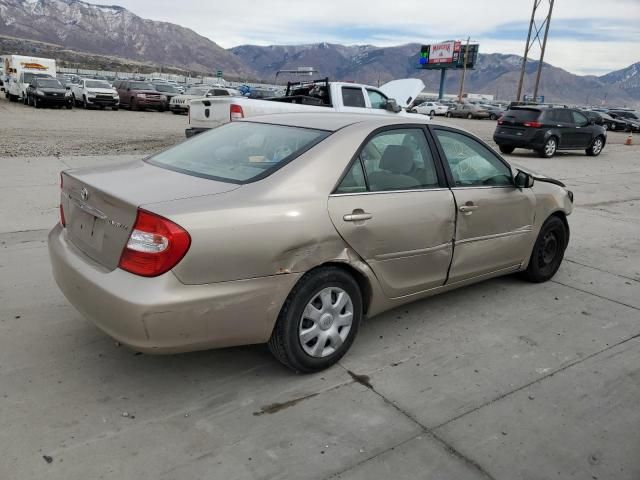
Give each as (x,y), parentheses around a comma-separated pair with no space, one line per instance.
(113,30)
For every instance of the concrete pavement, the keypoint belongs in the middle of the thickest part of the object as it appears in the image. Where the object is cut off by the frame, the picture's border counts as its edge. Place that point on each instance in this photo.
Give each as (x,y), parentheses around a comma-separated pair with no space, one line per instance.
(500,380)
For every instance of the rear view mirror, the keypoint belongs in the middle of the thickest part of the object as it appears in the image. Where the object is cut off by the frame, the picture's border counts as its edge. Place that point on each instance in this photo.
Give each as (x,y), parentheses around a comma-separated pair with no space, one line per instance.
(392,106)
(523,180)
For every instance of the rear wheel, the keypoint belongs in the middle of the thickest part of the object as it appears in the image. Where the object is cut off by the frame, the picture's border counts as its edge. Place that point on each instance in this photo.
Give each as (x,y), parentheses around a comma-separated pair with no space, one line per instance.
(493,116)
(549,149)
(606,126)
(596,147)
(319,320)
(448,115)
(469,116)
(548,251)
(506,148)
(432,113)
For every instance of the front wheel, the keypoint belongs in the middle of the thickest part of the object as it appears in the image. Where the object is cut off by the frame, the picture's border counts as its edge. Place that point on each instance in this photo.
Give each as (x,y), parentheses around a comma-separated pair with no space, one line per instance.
(115,109)
(69,106)
(595,148)
(493,117)
(432,113)
(36,103)
(469,116)
(506,148)
(448,115)
(319,320)
(85,105)
(548,251)
(549,149)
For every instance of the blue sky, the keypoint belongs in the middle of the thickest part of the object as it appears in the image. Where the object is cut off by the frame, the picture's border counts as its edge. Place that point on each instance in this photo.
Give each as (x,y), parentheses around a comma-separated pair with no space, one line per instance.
(586,36)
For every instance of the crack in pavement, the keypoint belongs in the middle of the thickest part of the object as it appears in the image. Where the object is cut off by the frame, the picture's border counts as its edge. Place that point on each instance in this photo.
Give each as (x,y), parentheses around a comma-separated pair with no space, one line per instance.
(596,295)
(601,270)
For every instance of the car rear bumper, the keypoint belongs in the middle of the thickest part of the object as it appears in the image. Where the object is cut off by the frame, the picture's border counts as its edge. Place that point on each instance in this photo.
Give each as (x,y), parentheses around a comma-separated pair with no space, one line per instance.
(531,139)
(190,132)
(161,314)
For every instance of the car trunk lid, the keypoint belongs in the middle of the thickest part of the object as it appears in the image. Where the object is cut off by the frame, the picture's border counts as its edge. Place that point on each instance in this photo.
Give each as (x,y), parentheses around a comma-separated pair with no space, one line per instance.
(101,204)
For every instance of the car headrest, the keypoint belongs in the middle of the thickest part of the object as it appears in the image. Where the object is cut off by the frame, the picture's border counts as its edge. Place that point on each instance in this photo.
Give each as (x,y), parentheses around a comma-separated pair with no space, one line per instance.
(397,159)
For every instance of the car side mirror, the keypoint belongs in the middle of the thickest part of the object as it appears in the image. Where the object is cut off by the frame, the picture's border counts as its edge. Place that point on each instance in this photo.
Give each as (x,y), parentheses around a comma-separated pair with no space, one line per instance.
(392,106)
(523,180)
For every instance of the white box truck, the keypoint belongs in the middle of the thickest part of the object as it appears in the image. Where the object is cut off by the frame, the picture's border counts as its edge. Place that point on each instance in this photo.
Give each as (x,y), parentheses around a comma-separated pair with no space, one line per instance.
(19,70)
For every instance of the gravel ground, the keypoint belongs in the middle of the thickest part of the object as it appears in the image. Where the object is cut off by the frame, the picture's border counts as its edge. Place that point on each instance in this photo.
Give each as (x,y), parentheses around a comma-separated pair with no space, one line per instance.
(46,132)
(28,132)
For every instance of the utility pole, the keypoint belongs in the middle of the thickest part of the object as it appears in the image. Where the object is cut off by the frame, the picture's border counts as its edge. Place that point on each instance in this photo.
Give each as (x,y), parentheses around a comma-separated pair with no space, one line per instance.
(464,70)
(533,27)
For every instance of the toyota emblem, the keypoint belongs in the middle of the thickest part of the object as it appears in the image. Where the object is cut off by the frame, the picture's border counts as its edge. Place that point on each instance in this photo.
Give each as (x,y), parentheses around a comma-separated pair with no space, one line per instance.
(84,194)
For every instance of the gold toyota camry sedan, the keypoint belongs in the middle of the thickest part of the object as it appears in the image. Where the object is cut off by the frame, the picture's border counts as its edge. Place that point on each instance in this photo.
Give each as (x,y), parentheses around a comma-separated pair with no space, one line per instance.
(290,228)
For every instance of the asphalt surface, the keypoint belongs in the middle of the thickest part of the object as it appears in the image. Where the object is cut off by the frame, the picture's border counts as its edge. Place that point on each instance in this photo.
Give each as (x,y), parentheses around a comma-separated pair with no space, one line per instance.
(500,380)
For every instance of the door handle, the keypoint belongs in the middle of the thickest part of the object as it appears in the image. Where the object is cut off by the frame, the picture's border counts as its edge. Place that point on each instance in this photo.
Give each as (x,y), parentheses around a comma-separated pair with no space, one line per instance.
(468,208)
(357,217)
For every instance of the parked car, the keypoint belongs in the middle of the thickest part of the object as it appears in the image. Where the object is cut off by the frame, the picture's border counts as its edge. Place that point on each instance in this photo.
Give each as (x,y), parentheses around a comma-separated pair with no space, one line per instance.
(167,90)
(431,108)
(90,93)
(138,95)
(467,110)
(288,228)
(632,118)
(494,112)
(47,91)
(606,120)
(180,103)
(547,130)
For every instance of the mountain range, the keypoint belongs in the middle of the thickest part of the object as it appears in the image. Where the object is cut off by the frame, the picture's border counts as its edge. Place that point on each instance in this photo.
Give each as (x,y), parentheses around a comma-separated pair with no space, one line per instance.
(78,30)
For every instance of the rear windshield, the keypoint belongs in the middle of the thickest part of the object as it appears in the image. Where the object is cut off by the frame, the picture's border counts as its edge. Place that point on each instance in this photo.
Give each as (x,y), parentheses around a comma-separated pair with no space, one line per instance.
(239,152)
(523,115)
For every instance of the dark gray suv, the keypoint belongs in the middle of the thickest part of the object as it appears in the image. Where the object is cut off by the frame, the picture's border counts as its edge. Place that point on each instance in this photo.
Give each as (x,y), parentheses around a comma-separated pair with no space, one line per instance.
(547,130)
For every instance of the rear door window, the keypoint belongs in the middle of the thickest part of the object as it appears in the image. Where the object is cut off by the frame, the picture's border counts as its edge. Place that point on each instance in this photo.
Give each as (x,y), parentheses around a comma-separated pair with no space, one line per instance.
(353,97)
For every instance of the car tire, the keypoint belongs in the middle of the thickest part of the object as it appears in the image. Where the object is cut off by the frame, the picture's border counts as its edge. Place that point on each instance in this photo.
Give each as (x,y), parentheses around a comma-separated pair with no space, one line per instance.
(287,339)
(506,149)
(24,99)
(115,109)
(596,147)
(469,116)
(432,113)
(176,112)
(493,117)
(606,126)
(85,105)
(448,114)
(550,148)
(36,103)
(69,106)
(548,251)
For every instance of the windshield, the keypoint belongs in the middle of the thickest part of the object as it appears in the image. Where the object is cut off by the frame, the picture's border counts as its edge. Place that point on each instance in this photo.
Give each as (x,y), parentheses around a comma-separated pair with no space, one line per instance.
(200,91)
(97,84)
(166,88)
(49,83)
(140,86)
(238,152)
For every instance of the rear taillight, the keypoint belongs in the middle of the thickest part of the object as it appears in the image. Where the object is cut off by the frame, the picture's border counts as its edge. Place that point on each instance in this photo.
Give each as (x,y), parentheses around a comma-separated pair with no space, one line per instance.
(155,245)
(62,220)
(532,124)
(500,121)
(235,112)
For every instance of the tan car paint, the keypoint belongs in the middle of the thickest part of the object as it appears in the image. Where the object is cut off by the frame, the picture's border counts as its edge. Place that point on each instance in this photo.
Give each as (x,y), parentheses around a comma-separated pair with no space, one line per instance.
(250,245)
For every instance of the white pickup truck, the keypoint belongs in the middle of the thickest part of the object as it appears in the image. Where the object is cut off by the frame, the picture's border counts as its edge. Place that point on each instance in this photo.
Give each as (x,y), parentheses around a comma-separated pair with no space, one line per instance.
(89,92)
(311,96)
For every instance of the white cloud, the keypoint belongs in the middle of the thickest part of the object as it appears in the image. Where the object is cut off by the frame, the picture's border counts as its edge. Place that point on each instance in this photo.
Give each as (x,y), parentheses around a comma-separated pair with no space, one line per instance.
(386,23)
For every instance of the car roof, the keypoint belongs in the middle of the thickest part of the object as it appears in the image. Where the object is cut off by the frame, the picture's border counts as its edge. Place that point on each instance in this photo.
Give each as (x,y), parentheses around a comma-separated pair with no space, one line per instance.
(335,121)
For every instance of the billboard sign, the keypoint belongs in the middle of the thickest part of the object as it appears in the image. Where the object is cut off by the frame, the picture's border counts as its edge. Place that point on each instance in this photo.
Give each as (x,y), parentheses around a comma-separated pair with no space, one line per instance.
(447,55)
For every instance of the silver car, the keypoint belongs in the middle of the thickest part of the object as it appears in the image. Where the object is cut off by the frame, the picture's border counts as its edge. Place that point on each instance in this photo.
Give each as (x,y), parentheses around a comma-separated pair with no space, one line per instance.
(290,228)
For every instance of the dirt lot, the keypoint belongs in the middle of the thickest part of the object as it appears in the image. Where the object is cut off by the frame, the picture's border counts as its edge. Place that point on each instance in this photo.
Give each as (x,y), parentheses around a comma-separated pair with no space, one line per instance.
(49,131)
(500,380)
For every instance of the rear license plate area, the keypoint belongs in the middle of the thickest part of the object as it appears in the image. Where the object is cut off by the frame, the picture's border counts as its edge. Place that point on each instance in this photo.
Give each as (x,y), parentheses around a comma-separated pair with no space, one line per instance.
(86,228)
